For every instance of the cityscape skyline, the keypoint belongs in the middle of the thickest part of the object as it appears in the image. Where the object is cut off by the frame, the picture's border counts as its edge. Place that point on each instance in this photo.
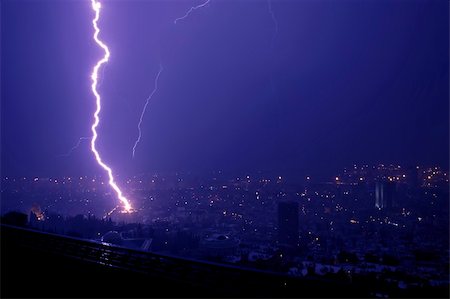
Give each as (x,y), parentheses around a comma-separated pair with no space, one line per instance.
(386,224)
(196,148)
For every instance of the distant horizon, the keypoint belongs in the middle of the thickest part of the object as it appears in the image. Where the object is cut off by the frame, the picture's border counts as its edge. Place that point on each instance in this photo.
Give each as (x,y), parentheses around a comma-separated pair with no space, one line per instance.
(226,174)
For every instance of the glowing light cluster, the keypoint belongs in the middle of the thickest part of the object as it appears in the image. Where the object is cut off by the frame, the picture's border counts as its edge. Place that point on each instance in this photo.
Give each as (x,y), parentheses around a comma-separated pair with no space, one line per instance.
(96,6)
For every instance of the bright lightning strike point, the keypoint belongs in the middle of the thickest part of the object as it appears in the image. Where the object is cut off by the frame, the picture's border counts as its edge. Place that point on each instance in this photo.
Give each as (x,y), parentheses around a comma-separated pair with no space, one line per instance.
(96,6)
(191,10)
(145,108)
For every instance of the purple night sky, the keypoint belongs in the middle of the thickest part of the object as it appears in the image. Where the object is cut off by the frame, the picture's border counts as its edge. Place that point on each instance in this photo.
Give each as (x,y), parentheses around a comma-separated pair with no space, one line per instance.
(345,82)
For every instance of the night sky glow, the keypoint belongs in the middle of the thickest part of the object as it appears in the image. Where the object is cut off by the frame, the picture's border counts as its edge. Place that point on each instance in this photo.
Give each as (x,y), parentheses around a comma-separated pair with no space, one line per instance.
(290,88)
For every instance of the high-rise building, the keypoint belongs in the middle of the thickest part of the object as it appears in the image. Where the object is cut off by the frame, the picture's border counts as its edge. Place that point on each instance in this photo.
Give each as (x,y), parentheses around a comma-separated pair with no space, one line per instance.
(288,225)
(385,192)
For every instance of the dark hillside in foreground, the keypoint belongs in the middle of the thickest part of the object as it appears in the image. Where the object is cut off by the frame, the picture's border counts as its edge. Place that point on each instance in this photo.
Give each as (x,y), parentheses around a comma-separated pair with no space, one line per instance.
(36,264)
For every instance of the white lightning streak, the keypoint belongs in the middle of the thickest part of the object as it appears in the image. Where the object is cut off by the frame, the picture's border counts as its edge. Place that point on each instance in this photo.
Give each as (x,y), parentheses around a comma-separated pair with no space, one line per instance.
(96,6)
(191,10)
(145,108)
(75,146)
(275,23)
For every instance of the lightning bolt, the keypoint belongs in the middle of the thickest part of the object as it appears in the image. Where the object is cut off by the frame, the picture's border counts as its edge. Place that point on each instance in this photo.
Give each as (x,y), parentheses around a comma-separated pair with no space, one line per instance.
(272,42)
(145,108)
(157,77)
(191,10)
(75,146)
(275,23)
(96,6)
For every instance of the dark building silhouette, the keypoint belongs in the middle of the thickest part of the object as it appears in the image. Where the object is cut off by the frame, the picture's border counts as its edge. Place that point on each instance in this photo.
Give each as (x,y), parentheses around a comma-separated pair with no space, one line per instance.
(33,220)
(288,225)
(15,218)
(385,193)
